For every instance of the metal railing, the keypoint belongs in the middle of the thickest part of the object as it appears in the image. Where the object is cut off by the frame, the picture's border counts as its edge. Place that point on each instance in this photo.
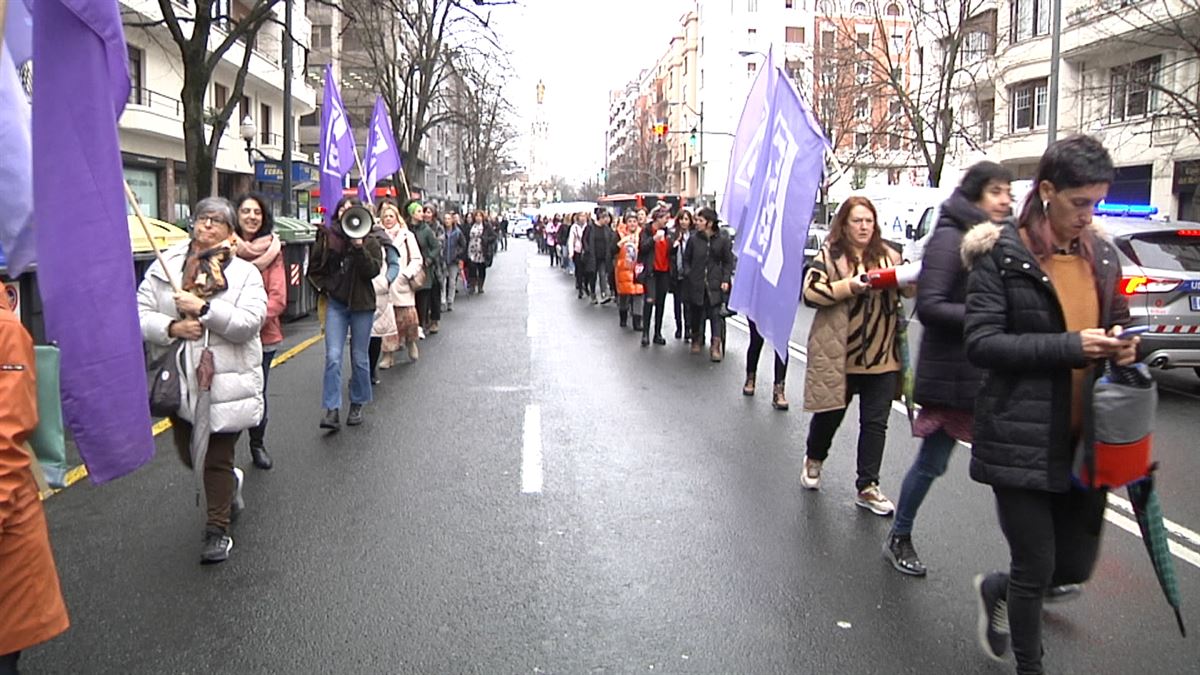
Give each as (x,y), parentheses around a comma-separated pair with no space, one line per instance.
(155,101)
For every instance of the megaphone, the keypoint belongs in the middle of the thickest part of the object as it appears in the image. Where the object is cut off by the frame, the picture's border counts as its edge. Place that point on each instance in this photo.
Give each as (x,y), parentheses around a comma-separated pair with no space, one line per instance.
(357,222)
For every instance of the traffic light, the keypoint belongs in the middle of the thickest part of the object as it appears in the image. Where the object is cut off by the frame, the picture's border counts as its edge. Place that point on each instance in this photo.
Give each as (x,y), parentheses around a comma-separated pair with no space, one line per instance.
(660,130)
(692,138)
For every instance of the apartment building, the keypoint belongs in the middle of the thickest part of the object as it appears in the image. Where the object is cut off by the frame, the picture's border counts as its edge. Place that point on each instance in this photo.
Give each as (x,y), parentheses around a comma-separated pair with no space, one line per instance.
(151,128)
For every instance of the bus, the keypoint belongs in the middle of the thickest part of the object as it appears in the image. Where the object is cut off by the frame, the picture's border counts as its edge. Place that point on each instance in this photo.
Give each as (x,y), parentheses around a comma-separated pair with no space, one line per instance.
(620,203)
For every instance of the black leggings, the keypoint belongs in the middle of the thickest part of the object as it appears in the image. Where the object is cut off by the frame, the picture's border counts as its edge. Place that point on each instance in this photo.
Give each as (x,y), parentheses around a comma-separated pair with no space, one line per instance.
(875,393)
(553,255)
(1053,539)
(752,354)
(374,350)
(683,319)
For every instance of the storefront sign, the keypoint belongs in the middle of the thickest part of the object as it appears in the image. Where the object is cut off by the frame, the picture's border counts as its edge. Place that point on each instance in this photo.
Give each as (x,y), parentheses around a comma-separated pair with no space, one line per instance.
(272,172)
(1187,174)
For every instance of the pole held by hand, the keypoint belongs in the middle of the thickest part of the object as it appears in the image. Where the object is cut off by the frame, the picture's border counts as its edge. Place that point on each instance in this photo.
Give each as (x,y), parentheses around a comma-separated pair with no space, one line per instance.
(137,212)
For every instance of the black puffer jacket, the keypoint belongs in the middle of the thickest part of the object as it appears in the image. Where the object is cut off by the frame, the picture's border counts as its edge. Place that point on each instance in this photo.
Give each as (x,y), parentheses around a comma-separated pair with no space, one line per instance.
(707,263)
(1015,330)
(343,271)
(945,378)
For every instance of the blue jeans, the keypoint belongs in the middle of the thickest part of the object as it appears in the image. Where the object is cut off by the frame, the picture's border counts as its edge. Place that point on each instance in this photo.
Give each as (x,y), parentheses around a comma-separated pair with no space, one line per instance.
(339,321)
(931,462)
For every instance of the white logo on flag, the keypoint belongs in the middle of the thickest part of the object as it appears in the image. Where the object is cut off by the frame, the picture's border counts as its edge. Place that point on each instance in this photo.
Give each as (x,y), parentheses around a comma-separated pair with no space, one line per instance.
(765,240)
(380,146)
(331,161)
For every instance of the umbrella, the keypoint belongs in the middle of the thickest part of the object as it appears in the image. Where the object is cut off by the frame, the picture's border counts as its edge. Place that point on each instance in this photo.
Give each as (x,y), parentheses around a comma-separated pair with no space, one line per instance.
(1154,534)
(201,428)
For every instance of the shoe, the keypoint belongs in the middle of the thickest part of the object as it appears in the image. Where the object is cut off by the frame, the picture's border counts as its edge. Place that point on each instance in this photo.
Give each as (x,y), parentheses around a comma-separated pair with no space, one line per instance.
(678,333)
(810,477)
(413,352)
(605,300)
(898,549)
(637,322)
(386,361)
(331,420)
(751,381)
(420,333)
(871,499)
(658,340)
(355,416)
(695,349)
(992,623)
(645,340)
(434,328)
(624,318)
(1063,593)
(449,308)
(217,545)
(238,504)
(778,400)
(480,290)
(578,295)
(258,454)
(715,353)
(375,381)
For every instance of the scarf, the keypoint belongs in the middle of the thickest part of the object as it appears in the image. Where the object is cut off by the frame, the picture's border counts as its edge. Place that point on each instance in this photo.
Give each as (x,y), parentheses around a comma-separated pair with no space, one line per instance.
(261,251)
(204,271)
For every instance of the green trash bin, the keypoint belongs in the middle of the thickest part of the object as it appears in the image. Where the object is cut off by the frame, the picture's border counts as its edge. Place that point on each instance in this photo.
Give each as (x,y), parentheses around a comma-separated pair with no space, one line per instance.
(297,237)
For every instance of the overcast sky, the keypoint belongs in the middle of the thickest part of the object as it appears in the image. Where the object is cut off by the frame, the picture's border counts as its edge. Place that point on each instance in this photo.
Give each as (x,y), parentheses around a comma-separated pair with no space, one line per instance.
(581,49)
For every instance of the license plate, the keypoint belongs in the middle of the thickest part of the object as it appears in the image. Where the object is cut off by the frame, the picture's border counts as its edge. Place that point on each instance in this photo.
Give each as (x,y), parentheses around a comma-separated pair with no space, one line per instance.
(1195,300)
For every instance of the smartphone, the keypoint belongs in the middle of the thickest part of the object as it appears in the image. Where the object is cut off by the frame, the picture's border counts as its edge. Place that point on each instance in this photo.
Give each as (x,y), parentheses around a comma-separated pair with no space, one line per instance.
(1132,332)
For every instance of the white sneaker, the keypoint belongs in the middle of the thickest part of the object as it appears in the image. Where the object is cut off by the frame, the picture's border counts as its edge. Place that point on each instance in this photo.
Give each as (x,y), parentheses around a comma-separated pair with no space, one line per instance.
(871,499)
(238,504)
(420,333)
(810,477)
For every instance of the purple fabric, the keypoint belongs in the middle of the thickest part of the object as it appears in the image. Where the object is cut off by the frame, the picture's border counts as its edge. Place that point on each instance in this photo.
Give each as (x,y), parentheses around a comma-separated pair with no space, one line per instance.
(16,199)
(337,146)
(747,142)
(779,208)
(85,272)
(382,158)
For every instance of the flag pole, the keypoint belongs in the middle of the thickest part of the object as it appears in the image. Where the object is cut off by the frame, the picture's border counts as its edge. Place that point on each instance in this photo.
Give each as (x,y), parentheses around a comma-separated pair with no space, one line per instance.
(137,211)
(3,20)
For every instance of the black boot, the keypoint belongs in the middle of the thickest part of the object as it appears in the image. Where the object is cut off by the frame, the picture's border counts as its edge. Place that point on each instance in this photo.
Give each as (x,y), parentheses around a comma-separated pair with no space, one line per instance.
(624,318)
(331,420)
(637,321)
(258,453)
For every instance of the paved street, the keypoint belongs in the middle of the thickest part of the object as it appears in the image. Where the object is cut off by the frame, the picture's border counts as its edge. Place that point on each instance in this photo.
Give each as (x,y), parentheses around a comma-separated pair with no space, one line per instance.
(667,532)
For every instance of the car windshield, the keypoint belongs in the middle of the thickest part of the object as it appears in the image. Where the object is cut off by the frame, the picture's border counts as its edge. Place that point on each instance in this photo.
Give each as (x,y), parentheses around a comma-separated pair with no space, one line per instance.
(1165,251)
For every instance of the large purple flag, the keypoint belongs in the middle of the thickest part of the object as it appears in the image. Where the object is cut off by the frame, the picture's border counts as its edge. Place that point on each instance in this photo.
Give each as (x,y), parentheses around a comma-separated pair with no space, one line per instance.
(747,143)
(337,146)
(779,208)
(382,157)
(85,271)
(16,179)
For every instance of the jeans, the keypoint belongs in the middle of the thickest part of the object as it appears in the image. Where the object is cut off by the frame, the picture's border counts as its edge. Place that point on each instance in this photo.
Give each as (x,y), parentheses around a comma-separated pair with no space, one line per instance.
(656,300)
(875,394)
(683,310)
(450,286)
(340,321)
(602,287)
(219,484)
(932,460)
(1054,539)
(258,432)
(755,350)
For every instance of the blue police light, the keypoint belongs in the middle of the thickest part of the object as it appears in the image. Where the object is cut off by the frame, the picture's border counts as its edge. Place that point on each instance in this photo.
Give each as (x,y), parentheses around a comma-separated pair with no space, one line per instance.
(1126,210)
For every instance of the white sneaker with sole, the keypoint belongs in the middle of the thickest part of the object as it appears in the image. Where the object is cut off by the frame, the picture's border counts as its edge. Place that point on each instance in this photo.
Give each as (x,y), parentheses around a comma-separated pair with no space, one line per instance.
(871,499)
(238,504)
(810,476)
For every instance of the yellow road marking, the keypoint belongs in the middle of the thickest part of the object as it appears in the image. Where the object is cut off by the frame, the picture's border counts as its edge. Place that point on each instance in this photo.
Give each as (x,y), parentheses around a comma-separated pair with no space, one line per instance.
(80,472)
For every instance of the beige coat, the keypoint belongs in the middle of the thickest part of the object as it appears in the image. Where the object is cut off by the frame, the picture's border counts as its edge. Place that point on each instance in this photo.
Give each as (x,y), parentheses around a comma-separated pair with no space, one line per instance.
(403,289)
(825,374)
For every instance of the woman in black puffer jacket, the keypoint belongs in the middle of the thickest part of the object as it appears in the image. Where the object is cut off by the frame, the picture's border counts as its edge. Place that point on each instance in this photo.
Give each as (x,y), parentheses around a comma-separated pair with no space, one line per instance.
(946,382)
(1042,312)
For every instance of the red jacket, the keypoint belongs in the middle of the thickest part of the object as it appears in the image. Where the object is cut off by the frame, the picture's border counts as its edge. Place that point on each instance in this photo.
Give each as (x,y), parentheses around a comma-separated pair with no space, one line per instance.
(275,282)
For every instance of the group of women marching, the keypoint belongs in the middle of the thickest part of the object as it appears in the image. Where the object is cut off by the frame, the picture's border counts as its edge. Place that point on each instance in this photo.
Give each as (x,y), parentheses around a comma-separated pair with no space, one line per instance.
(223,292)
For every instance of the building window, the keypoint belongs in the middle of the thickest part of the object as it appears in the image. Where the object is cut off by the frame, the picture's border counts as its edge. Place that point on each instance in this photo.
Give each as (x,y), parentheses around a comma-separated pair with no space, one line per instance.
(322,37)
(864,41)
(863,73)
(860,8)
(136,56)
(788,4)
(1029,18)
(895,109)
(862,109)
(976,45)
(220,96)
(827,40)
(893,10)
(264,124)
(894,141)
(751,68)
(987,120)
(794,34)
(860,140)
(1131,92)
(751,5)
(751,32)
(1028,105)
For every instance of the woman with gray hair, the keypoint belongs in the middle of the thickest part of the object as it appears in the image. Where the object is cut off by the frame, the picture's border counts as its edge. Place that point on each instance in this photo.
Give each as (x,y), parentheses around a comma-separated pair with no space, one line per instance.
(222,305)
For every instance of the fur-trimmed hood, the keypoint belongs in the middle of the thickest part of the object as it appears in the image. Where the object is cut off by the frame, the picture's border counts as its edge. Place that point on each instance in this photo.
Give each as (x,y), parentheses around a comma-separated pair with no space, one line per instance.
(982,238)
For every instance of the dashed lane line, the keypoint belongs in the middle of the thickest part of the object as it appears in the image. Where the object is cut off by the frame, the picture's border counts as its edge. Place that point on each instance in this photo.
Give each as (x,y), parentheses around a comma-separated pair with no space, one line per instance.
(1116,504)
(80,472)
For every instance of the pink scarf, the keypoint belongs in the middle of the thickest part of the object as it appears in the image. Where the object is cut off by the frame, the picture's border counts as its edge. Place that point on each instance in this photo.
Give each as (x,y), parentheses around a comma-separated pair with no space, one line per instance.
(261,251)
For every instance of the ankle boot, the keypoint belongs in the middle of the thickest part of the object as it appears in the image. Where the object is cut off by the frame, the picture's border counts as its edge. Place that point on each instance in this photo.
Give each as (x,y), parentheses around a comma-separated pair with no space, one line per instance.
(624,318)
(748,388)
(714,350)
(637,321)
(778,400)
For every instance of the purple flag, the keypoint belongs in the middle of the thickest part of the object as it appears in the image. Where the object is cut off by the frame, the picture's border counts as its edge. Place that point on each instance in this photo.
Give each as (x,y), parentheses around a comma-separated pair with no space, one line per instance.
(747,143)
(16,180)
(337,146)
(382,158)
(85,272)
(779,208)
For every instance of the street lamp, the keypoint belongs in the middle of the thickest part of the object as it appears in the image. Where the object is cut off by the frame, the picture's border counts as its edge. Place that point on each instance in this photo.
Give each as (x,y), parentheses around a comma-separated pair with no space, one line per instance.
(249,130)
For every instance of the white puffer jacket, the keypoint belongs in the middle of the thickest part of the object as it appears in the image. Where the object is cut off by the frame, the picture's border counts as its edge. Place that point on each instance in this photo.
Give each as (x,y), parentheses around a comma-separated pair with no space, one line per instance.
(234,319)
(404,291)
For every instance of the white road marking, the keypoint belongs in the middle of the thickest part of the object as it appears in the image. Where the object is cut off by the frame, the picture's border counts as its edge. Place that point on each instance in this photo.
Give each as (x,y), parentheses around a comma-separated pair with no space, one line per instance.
(531,451)
(1191,537)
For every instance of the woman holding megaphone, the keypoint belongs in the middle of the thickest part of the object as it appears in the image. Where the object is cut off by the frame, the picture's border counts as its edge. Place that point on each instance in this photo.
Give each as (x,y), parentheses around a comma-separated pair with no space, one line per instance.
(852,346)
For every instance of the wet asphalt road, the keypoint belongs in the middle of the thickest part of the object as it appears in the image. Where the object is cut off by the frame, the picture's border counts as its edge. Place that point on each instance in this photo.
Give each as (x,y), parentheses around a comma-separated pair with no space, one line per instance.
(670,533)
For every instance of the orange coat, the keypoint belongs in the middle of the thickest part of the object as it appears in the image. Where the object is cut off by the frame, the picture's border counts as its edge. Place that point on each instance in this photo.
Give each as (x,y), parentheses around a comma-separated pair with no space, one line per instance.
(31,604)
(626,261)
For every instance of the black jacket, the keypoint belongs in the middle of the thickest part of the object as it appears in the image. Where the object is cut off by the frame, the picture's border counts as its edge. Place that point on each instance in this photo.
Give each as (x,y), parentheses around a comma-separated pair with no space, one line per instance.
(345,272)
(1016,332)
(707,263)
(945,378)
(598,244)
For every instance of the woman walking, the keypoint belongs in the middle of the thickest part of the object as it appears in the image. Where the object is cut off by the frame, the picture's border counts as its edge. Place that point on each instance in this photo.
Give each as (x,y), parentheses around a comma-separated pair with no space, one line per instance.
(707,270)
(1042,311)
(599,254)
(479,251)
(402,292)
(852,347)
(222,307)
(630,291)
(778,398)
(679,240)
(258,244)
(654,256)
(343,270)
(552,239)
(429,310)
(454,250)
(946,381)
(384,327)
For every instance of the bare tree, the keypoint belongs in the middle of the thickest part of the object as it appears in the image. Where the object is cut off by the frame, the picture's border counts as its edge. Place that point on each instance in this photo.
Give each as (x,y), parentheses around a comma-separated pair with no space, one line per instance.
(641,168)
(485,118)
(924,52)
(591,190)
(215,29)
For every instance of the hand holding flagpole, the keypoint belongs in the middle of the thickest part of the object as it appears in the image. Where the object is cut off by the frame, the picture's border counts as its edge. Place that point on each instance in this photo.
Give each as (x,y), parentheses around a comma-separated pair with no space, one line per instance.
(137,211)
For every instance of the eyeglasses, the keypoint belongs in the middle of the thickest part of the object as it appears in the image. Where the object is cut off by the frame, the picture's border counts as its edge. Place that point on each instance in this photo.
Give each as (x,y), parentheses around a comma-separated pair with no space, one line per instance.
(209,221)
